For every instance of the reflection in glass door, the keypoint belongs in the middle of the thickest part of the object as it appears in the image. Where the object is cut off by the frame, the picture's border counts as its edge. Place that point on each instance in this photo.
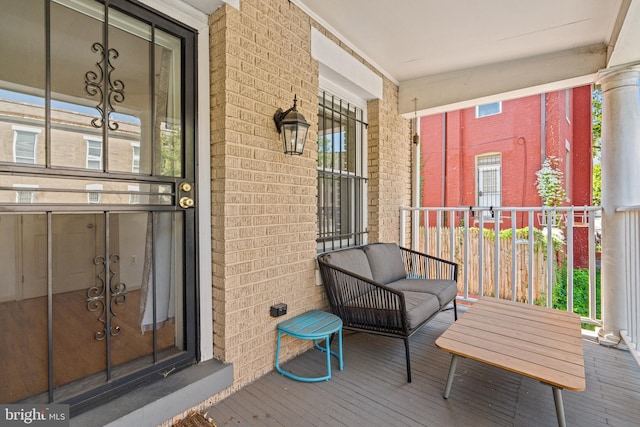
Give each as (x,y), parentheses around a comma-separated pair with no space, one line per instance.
(95,155)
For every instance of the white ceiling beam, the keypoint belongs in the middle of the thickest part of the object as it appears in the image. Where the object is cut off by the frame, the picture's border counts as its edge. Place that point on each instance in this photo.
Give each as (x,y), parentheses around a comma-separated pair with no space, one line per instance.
(626,48)
(501,81)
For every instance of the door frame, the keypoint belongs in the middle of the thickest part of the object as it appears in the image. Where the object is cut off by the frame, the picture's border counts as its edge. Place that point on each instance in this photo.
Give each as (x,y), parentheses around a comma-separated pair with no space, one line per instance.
(189,16)
(195,45)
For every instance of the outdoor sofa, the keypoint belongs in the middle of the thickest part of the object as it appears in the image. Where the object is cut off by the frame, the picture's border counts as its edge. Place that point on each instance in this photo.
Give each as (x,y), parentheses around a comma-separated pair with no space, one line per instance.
(385,289)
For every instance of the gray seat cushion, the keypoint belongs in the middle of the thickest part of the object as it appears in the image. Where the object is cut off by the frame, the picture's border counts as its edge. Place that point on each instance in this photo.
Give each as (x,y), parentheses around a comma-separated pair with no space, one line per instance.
(385,261)
(352,260)
(420,307)
(445,290)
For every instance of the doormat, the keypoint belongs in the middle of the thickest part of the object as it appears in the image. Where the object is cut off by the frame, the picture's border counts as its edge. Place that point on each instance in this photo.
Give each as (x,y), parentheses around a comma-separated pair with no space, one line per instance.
(195,419)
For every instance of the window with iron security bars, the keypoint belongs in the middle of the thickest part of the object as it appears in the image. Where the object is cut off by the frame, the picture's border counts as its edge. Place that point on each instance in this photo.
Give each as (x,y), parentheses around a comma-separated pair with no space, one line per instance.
(342,175)
(489,187)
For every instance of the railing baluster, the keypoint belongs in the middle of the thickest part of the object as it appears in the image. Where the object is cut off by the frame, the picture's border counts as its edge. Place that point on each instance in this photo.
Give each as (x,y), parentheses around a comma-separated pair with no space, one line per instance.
(447,216)
(439,234)
(570,262)
(481,254)
(592,265)
(634,321)
(415,218)
(496,257)
(550,253)
(513,254)
(426,231)
(451,236)
(466,254)
(531,255)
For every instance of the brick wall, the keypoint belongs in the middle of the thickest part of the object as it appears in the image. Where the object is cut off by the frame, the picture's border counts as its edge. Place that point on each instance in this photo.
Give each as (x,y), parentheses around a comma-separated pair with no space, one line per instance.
(263,201)
(516,134)
(389,166)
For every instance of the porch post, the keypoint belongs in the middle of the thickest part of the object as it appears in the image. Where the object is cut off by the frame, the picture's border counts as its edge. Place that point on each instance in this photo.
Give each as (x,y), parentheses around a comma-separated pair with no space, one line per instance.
(620,178)
(415,184)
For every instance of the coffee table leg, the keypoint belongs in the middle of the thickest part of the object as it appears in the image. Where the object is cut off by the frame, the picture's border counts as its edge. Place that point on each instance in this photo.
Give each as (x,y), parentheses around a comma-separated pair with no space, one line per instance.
(452,371)
(557,398)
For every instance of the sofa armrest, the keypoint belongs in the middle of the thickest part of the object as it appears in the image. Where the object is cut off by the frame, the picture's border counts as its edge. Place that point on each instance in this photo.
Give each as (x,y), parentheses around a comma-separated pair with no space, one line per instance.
(423,266)
(362,303)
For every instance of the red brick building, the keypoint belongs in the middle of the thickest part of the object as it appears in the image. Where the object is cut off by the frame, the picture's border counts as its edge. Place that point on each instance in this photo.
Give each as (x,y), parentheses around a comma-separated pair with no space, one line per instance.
(489,155)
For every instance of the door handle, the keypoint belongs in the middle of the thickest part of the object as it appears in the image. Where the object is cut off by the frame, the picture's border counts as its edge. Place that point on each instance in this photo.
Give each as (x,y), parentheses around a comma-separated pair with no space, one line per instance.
(186,202)
(185,195)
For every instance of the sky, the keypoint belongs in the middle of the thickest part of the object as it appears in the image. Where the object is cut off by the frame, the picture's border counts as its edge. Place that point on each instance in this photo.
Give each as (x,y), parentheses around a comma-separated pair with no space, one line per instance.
(36,100)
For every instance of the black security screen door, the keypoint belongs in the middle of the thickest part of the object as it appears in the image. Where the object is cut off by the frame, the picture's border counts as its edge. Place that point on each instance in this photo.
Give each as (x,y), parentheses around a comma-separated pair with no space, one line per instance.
(98,261)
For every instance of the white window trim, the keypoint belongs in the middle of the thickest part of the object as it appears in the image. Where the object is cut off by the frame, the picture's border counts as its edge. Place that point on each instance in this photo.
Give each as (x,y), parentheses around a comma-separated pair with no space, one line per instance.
(344,76)
(90,187)
(89,140)
(25,188)
(344,94)
(35,131)
(133,197)
(338,65)
(487,167)
(135,145)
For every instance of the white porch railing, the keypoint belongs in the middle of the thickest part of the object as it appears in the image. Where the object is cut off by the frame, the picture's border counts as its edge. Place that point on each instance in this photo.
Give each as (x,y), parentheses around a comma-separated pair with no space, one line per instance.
(513,267)
(631,336)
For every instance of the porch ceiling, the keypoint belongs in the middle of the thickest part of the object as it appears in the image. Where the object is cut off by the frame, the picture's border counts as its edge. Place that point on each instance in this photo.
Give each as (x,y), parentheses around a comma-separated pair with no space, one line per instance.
(455,54)
(451,55)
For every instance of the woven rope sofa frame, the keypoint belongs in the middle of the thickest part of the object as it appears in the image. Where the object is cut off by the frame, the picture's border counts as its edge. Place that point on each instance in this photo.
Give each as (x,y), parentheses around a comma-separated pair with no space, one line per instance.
(365,305)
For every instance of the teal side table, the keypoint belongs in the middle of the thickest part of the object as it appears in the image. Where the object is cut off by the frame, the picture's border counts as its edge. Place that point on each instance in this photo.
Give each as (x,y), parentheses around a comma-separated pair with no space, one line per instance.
(313,325)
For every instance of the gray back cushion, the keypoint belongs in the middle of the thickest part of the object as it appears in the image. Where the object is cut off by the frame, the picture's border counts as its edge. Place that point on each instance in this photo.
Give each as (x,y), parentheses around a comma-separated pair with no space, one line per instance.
(352,260)
(385,261)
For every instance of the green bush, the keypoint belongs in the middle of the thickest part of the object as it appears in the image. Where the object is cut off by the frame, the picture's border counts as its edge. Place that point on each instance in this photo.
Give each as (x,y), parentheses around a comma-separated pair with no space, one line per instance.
(539,237)
(580,291)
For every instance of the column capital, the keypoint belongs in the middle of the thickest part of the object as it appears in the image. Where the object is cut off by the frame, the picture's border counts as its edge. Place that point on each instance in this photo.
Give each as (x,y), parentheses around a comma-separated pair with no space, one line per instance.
(625,75)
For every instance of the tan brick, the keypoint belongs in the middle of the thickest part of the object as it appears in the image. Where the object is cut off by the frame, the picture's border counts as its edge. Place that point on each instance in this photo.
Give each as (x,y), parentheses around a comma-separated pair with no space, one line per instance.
(264,202)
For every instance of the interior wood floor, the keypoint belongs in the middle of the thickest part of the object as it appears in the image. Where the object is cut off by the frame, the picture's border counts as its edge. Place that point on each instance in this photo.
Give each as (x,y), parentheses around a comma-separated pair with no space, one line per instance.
(76,352)
(372,390)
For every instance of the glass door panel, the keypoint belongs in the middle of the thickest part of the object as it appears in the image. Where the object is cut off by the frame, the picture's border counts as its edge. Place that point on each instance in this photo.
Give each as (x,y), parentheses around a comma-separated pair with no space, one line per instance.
(97,258)
(110,317)
(76,135)
(168,106)
(130,121)
(23,308)
(149,248)
(77,245)
(22,80)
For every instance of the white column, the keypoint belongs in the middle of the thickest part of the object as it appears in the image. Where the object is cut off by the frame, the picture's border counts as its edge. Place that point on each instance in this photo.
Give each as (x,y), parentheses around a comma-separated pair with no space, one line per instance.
(620,187)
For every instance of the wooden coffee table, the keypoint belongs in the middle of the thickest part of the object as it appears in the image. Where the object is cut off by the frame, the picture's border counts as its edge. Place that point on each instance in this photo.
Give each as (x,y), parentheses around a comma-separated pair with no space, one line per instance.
(533,341)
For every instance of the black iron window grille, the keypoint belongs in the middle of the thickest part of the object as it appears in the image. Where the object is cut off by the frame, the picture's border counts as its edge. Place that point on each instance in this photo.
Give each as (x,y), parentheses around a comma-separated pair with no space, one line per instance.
(342,174)
(489,168)
(95,86)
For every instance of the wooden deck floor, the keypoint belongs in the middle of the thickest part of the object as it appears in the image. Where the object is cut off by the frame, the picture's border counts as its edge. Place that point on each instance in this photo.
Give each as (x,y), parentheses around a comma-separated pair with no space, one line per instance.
(372,390)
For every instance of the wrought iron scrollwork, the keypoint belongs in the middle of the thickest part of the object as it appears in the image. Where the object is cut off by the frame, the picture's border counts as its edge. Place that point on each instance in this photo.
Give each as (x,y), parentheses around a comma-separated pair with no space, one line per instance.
(93,86)
(96,296)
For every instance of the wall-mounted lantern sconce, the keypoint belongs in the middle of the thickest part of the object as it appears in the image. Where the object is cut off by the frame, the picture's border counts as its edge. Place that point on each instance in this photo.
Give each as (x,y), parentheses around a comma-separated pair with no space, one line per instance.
(293,127)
